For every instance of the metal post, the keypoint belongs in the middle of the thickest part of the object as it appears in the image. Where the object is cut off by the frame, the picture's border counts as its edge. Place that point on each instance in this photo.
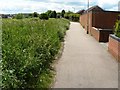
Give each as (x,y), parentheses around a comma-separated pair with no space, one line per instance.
(88,18)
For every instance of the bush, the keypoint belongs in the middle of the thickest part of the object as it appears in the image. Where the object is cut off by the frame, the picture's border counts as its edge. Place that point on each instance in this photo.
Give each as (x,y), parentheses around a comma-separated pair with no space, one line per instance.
(43,16)
(75,17)
(67,16)
(28,48)
(19,16)
(48,13)
(117,28)
(63,13)
(58,15)
(53,14)
(35,14)
(72,16)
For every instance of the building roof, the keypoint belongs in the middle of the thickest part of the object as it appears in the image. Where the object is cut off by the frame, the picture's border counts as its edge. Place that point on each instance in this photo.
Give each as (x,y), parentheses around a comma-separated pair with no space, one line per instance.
(80,11)
(94,8)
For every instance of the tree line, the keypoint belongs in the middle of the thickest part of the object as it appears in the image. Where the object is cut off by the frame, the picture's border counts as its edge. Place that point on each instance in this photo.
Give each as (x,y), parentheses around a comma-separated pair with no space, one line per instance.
(50,14)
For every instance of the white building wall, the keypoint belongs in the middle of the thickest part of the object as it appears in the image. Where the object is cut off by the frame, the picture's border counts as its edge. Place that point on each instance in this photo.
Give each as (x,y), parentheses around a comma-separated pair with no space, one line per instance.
(119,6)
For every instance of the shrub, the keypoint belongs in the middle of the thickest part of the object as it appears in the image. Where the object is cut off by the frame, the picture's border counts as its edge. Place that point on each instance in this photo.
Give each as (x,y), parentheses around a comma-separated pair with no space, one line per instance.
(19,16)
(63,13)
(72,16)
(58,15)
(53,14)
(75,17)
(48,13)
(35,14)
(43,16)
(117,28)
(66,16)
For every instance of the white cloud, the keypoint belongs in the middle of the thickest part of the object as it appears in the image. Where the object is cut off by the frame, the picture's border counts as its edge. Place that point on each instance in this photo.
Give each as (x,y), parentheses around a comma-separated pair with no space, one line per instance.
(17,6)
(114,9)
(107,4)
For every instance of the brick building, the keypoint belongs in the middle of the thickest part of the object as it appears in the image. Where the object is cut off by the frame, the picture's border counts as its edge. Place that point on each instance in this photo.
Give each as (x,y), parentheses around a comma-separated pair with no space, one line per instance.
(99,23)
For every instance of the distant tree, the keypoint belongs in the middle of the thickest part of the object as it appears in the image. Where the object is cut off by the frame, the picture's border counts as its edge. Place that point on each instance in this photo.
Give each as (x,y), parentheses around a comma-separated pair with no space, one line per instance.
(30,15)
(63,13)
(35,14)
(19,16)
(72,16)
(69,12)
(44,16)
(53,14)
(58,15)
(66,16)
(48,12)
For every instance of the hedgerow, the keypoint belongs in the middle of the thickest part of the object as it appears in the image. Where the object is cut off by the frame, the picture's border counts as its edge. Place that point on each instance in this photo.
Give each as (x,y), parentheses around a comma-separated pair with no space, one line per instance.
(43,16)
(72,16)
(29,47)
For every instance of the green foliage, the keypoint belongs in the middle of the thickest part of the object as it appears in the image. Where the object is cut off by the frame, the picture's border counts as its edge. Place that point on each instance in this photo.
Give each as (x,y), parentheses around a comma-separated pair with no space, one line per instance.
(35,14)
(117,28)
(30,15)
(19,16)
(69,12)
(53,14)
(66,16)
(58,15)
(48,13)
(44,16)
(63,13)
(72,16)
(28,49)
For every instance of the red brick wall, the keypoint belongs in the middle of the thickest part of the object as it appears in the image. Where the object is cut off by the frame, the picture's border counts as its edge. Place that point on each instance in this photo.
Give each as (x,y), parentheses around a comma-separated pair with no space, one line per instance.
(95,33)
(84,20)
(114,48)
(100,35)
(105,20)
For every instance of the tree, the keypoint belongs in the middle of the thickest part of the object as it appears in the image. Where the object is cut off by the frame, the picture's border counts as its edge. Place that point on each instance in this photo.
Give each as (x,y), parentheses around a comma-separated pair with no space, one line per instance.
(72,16)
(35,14)
(53,14)
(44,16)
(19,16)
(48,12)
(69,12)
(30,15)
(63,13)
(58,15)
(66,16)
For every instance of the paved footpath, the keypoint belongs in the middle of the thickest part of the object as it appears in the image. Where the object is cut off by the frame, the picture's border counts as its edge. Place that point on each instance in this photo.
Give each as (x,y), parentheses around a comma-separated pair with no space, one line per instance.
(85,63)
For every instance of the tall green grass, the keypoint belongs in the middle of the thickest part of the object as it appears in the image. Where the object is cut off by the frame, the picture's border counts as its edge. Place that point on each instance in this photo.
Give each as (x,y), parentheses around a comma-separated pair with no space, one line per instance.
(29,47)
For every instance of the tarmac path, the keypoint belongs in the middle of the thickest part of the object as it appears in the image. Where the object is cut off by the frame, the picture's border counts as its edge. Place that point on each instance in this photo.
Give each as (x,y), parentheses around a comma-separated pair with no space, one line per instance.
(85,63)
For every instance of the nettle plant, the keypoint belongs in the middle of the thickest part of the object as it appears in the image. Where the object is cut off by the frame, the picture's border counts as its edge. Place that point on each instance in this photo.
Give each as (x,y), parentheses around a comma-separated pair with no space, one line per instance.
(117,29)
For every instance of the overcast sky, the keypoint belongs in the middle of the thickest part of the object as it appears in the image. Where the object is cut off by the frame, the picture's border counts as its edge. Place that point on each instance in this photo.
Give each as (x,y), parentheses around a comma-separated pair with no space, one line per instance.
(29,6)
